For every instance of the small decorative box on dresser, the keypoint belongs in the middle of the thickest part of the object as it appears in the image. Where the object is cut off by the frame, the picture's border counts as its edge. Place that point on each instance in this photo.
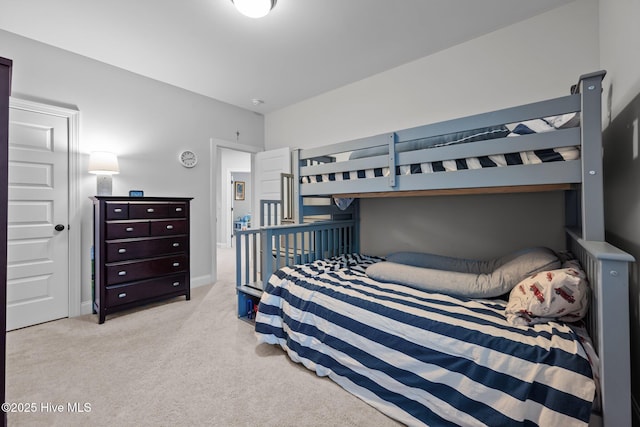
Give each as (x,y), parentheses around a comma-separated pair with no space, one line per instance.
(141,250)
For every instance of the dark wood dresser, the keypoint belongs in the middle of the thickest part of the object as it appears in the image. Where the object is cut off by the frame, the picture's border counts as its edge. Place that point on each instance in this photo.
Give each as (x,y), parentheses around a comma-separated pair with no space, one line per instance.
(141,251)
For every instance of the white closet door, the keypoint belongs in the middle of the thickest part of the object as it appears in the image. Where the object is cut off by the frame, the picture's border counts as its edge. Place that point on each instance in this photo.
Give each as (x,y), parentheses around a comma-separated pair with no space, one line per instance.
(38,245)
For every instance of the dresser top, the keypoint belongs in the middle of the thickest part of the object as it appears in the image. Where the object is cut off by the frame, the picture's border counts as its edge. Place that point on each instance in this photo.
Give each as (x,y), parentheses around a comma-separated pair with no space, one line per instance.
(139,199)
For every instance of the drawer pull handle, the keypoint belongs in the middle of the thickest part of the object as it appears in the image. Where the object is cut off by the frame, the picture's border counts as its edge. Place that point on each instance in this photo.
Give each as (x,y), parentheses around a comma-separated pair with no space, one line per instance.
(169,227)
(122,273)
(122,295)
(175,245)
(117,210)
(150,210)
(178,209)
(176,264)
(128,229)
(122,251)
(176,284)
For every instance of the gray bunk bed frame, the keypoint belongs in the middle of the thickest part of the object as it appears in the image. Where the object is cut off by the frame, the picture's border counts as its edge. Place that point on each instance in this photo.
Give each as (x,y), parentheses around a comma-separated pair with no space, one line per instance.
(263,250)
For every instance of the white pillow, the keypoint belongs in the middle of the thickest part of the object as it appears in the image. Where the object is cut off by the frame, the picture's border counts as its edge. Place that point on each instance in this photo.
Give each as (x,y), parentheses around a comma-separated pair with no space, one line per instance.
(549,295)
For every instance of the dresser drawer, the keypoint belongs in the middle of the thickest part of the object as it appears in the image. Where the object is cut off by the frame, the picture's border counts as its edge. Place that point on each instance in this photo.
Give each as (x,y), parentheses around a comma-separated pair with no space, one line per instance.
(124,230)
(177,210)
(117,210)
(148,210)
(169,227)
(131,292)
(121,250)
(136,270)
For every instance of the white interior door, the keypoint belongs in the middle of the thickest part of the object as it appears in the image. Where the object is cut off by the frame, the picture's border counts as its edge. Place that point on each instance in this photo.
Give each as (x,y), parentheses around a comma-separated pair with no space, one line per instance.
(38,245)
(269,166)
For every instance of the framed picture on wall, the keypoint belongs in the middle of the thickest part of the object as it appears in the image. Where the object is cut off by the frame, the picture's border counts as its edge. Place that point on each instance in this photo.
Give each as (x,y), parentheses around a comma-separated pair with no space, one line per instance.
(238,190)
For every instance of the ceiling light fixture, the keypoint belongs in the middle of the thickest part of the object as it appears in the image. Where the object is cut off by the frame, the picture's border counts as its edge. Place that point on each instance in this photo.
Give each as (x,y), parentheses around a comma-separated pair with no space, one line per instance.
(254,8)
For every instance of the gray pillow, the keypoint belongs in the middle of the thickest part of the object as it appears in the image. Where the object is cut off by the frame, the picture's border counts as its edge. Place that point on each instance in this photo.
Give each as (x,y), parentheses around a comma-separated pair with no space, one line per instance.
(466,136)
(463,277)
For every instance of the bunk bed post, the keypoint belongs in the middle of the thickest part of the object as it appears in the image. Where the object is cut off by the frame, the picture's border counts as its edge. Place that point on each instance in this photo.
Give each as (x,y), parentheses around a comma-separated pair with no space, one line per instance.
(266,245)
(355,238)
(297,199)
(608,322)
(391,141)
(262,212)
(590,86)
(613,336)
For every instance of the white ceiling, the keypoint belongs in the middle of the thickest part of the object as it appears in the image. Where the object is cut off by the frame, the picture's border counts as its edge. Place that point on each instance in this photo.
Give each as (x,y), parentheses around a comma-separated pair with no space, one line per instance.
(301,49)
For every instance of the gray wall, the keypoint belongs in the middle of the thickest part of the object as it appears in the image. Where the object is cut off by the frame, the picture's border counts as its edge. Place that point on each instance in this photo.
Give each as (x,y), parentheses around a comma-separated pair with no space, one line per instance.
(622,213)
(145,122)
(457,225)
(619,36)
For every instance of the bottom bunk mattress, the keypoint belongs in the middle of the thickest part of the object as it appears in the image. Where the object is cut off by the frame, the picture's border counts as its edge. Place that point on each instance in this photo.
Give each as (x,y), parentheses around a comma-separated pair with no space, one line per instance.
(424,358)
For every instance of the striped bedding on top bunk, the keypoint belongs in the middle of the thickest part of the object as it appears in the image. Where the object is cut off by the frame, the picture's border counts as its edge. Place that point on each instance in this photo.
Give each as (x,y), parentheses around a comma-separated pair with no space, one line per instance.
(424,358)
(497,160)
(463,163)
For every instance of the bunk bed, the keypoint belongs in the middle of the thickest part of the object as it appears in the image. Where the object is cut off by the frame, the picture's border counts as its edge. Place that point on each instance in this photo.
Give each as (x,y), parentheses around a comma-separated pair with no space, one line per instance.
(307,285)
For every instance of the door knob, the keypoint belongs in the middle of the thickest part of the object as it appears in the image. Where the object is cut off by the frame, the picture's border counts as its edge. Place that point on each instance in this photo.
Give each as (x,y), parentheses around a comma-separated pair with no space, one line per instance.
(59,227)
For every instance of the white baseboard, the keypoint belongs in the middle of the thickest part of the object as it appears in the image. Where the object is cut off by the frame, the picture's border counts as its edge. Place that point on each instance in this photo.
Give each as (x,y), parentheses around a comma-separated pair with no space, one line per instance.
(86,307)
(201,281)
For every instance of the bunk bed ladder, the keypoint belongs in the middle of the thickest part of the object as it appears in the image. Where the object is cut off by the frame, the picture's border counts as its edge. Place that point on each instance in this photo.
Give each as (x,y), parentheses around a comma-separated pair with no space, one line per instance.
(287,215)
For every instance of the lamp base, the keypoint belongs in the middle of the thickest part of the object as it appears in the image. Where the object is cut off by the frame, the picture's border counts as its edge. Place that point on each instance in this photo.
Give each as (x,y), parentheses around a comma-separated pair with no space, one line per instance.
(104,185)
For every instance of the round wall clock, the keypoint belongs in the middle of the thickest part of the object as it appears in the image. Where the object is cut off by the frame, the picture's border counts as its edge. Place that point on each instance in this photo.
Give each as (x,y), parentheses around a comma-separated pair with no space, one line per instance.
(188,158)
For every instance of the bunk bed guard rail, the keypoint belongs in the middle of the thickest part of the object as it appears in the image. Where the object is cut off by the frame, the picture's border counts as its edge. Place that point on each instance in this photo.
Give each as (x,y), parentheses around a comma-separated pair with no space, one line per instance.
(289,245)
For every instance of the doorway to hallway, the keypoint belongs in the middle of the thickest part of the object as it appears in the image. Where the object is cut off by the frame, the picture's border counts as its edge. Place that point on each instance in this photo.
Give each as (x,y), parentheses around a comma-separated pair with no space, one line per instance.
(235,196)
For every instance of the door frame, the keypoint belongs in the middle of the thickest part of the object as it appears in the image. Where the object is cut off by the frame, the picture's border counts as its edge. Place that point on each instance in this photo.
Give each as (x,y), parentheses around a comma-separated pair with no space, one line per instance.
(216,186)
(73,193)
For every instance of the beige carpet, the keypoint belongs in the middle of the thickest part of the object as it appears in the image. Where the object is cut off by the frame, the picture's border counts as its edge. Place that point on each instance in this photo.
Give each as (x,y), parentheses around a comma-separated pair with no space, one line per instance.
(179,363)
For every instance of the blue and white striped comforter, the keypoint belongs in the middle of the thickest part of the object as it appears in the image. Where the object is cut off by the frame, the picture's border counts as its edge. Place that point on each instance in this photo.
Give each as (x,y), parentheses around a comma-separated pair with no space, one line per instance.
(423,358)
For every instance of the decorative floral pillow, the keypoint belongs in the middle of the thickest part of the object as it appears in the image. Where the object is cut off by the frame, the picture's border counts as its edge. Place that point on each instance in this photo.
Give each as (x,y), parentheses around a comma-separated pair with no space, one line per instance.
(550,295)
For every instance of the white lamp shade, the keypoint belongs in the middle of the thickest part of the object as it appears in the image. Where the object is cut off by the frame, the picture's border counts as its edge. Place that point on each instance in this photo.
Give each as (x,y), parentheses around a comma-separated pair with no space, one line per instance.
(254,8)
(103,163)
